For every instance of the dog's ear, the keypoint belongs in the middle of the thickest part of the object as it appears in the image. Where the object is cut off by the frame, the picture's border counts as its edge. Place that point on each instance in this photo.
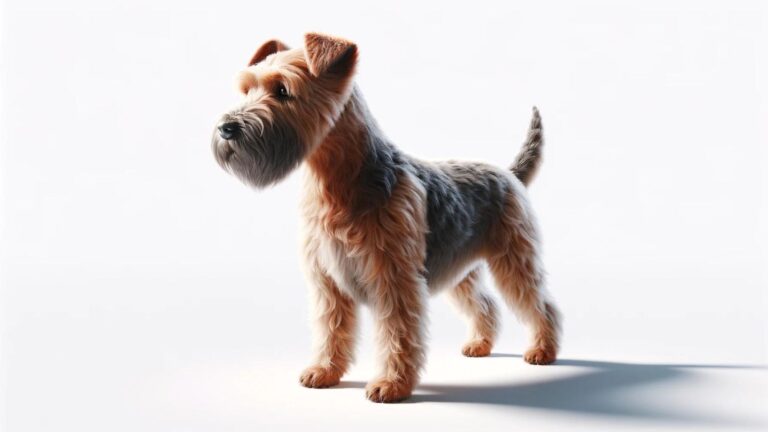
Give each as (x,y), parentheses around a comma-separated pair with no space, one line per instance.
(329,55)
(269,47)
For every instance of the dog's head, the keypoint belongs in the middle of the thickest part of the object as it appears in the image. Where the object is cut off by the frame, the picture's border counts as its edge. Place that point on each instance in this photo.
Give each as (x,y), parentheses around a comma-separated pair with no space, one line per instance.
(292,99)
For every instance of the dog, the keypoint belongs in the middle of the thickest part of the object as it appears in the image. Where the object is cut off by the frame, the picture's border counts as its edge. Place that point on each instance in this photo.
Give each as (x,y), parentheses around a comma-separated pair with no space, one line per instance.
(382,228)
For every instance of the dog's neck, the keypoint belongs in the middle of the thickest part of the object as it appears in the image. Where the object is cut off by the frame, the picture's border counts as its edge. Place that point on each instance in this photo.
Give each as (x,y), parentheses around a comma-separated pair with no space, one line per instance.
(355,163)
(343,163)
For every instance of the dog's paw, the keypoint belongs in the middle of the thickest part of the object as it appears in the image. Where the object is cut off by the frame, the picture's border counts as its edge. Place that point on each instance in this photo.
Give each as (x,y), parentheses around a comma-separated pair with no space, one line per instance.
(540,356)
(319,377)
(387,391)
(477,348)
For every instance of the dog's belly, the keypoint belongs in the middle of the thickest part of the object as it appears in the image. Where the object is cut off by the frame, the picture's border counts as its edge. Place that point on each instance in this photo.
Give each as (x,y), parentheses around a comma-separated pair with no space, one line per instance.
(449,278)
(345,270)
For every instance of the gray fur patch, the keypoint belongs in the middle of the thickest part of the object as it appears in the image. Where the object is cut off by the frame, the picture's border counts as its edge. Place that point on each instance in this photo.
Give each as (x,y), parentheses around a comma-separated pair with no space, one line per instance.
(463,201)
(263,153)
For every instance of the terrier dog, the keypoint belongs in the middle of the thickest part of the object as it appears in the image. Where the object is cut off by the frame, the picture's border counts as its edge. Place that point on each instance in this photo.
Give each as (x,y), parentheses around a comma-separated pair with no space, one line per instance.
(382,228)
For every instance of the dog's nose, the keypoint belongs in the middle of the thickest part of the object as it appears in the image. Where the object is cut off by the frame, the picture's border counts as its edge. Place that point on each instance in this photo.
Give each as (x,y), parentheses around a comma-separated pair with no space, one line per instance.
(229,130)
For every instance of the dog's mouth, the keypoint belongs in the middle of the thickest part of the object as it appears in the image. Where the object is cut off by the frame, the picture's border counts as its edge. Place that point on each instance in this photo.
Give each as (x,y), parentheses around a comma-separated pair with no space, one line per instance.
(226,151)
(258,154)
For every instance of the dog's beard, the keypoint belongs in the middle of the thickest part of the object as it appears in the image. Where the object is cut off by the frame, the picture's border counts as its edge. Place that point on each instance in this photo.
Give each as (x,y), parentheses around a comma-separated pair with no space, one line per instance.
(263,153)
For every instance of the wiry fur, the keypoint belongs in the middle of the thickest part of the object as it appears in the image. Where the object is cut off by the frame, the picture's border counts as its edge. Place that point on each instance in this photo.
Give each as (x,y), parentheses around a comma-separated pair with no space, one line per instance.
(382,228)
(470,298)
(528,160)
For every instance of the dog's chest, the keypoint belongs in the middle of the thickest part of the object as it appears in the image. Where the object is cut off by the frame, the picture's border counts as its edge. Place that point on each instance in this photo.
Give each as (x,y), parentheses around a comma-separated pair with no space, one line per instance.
(343,265)
(333,247)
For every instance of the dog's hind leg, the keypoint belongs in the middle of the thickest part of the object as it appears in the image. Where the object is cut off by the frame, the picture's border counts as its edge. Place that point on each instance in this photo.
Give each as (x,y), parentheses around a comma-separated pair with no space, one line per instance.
(516,267)
(522,286)
(472,301)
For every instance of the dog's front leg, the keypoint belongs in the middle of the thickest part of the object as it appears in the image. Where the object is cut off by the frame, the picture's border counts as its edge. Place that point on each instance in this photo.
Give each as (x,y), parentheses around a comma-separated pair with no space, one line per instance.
(334,332)
(399,314)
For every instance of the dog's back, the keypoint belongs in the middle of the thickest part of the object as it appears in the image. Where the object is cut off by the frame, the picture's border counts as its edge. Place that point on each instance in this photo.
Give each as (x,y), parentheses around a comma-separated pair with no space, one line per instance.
(463,204)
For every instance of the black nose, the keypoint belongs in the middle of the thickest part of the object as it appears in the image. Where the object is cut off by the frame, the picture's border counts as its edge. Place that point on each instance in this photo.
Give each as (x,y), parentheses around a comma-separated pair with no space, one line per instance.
(229,130)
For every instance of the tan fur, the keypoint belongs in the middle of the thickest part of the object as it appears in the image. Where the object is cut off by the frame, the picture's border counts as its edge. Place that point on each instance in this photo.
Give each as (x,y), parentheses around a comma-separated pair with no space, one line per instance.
(268,48)
(479,307)
(335,326)
(388,262)
(513,259)
(365,239)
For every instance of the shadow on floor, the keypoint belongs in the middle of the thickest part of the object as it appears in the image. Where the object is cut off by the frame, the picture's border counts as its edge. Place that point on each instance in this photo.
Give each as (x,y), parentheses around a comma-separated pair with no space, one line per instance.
(602,389)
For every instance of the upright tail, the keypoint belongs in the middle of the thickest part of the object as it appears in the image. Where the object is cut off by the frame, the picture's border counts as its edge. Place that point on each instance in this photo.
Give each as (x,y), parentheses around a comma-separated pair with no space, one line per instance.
(528,159)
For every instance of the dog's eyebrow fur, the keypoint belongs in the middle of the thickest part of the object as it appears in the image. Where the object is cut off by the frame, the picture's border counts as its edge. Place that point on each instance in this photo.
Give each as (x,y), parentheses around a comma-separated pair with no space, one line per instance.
(246,80)
(265,76)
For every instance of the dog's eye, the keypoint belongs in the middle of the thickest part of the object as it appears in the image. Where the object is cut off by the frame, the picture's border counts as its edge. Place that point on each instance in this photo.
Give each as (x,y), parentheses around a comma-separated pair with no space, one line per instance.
(281,92)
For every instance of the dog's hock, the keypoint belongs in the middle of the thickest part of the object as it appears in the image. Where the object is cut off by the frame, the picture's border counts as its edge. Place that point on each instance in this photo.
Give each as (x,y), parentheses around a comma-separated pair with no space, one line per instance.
(329,55)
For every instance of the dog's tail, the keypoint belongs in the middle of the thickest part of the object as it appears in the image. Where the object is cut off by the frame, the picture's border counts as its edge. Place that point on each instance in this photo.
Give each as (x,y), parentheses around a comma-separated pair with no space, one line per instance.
(528,159)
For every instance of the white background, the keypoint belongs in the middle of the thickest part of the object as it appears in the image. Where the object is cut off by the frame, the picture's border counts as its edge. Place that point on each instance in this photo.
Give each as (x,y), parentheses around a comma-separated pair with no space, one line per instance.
(145,289)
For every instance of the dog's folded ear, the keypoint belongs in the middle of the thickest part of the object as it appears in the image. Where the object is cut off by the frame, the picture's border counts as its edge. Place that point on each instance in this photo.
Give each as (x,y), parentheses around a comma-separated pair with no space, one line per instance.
(268,48)
(329,55)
